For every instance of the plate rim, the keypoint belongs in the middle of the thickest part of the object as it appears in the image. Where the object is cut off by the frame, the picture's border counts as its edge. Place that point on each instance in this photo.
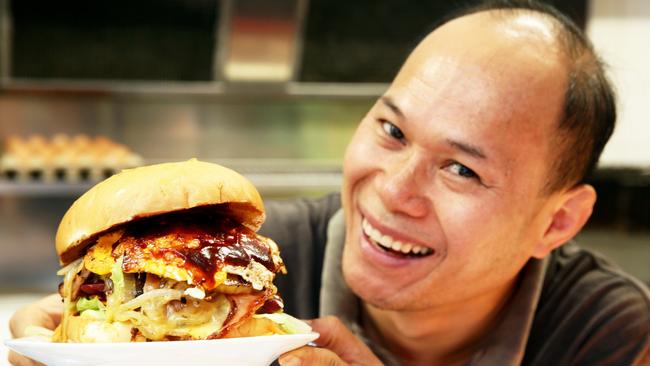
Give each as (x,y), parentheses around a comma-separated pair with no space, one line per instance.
(41,340)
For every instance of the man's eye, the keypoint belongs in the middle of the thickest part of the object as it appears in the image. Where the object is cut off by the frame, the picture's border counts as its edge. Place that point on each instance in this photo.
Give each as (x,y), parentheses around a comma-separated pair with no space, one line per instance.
(462,170)
(392,130)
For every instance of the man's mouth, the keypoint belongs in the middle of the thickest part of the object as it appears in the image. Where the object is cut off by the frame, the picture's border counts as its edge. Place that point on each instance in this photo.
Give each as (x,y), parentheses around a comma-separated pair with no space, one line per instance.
(393,246)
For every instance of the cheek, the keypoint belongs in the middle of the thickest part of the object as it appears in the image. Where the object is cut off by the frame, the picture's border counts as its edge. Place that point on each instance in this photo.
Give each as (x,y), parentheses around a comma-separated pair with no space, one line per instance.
(484,238)
(356,162)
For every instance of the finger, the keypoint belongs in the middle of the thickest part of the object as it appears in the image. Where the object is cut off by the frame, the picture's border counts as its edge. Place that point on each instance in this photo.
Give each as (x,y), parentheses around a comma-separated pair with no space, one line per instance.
(44,313)
(334,335)
(17,360)
(311,356)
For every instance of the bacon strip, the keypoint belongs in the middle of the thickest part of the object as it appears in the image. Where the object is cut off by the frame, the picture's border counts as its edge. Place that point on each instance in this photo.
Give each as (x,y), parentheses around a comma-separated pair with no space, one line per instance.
(78,281)
(242,308)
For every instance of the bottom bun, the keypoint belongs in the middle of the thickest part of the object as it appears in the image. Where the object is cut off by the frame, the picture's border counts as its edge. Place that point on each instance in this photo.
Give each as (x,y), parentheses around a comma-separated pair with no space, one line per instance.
(81,329)
(86,329)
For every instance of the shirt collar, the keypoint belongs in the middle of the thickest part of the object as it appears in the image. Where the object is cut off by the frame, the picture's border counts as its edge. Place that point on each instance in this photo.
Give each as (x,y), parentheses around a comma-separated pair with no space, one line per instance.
(505,345)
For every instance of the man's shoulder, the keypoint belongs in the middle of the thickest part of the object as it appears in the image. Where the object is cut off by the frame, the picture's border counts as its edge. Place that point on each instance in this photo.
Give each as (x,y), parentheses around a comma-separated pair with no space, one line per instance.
(578,276)
(312,209)
(299,227)
(590,311)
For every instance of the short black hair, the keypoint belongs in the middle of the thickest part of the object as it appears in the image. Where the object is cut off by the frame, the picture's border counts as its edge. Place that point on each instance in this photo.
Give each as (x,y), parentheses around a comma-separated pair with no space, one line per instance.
(589,114)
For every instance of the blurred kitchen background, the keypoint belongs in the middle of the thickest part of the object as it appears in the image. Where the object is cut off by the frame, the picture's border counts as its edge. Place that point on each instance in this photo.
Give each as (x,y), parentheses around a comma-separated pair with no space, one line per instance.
(273,89)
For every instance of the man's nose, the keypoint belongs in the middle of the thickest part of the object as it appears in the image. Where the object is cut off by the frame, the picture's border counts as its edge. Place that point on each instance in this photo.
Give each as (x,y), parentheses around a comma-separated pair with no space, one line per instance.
(401,189)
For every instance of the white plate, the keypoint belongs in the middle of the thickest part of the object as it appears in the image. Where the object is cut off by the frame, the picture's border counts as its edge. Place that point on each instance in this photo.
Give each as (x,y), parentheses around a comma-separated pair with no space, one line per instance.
(250,351)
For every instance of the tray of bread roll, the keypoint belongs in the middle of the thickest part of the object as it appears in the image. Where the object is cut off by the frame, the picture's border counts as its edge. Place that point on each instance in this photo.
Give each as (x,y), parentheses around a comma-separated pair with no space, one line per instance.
(63,159)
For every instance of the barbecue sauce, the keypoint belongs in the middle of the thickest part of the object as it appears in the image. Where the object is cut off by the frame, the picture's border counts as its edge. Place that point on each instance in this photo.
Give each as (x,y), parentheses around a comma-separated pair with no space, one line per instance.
(201,242)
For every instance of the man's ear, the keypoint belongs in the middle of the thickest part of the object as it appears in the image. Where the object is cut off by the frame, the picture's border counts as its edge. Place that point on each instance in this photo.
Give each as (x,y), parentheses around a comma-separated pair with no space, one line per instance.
(571,212)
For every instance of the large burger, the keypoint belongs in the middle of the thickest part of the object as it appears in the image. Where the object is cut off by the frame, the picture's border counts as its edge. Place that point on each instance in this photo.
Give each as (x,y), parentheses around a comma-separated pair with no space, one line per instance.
(169,252)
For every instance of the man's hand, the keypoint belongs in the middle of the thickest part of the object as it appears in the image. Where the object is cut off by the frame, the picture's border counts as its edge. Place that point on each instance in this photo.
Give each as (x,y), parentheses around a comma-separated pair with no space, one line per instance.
(336,346)
(44,313)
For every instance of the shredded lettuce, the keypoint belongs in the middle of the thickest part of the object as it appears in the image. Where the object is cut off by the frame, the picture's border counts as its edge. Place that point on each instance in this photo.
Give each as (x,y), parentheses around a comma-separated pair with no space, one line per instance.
(69,273)
(84,304)
(74,266)
(288,323)
(116,296)
(94,314)
(117,276)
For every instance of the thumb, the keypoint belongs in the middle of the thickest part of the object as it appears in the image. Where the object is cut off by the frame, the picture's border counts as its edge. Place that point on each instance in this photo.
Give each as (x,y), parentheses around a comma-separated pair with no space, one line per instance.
(312,356)
(335,336)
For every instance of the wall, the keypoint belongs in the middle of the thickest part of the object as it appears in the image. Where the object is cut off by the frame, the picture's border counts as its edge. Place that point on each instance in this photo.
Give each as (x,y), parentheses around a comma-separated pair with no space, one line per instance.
(619,31)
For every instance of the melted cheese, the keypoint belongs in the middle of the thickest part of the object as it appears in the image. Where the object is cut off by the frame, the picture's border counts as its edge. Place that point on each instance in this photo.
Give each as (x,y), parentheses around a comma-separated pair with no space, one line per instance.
(99,258)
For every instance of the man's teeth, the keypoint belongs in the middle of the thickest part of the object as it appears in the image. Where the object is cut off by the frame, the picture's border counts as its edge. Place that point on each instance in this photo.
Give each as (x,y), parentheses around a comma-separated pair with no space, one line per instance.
(388,242)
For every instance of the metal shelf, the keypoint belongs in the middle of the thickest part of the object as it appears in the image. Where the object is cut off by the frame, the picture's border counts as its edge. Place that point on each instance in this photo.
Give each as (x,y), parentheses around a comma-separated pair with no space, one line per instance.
(38,189)
(287,182)
(212,90)
(265,183)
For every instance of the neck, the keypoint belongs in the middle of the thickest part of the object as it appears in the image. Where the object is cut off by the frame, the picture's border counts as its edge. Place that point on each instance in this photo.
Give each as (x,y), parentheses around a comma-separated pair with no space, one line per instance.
(441,335)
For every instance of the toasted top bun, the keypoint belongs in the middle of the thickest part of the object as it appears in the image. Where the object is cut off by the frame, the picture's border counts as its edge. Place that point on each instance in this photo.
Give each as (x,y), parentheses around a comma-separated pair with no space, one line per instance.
(153,190)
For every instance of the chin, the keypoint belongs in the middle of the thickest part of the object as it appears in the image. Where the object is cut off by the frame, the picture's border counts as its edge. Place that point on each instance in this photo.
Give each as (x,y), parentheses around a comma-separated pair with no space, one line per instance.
(375,294)
(372,290)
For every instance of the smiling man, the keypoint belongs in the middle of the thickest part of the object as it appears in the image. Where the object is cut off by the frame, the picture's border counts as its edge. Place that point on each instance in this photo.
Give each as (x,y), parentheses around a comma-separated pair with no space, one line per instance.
(459,183)
(462,186)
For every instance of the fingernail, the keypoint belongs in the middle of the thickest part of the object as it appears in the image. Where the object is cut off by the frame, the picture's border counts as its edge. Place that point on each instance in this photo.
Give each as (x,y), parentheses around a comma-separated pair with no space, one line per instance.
(290,361)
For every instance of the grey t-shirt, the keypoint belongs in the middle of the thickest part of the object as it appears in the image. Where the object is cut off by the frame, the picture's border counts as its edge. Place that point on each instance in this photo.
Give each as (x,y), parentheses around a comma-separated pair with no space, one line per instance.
(573,308)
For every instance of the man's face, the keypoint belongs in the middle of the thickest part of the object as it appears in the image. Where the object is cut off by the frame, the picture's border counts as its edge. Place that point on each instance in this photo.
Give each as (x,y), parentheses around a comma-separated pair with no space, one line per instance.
(450,164)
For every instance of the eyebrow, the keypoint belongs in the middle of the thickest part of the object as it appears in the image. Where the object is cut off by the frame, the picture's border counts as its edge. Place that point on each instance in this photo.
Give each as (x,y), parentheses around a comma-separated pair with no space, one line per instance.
(393,107)
(467,148)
